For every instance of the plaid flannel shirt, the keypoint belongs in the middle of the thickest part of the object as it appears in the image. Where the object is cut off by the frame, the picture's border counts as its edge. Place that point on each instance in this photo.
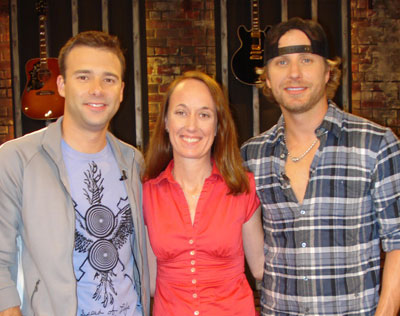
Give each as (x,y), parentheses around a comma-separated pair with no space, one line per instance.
(322,257)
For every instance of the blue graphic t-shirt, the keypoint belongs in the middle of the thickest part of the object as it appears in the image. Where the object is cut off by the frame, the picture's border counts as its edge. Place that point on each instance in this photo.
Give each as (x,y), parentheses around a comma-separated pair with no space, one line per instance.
(103,257)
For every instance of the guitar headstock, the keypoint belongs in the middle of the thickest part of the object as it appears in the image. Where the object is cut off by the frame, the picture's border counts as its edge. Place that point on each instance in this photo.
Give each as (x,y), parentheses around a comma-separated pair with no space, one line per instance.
(41,7)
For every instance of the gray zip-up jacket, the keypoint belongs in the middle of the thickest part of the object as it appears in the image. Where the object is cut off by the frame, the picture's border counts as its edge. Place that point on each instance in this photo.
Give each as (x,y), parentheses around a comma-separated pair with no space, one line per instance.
(36,208)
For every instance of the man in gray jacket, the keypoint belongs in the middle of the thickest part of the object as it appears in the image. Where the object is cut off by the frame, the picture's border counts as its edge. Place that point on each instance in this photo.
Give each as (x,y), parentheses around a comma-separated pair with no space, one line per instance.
(71,227)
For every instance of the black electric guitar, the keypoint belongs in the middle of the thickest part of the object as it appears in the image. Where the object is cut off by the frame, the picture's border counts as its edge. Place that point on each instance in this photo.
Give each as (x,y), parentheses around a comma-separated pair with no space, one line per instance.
(251,51)
(40,98)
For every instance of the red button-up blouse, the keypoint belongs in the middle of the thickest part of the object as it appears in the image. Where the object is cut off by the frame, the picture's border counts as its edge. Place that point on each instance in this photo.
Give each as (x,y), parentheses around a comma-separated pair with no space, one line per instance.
(200,267)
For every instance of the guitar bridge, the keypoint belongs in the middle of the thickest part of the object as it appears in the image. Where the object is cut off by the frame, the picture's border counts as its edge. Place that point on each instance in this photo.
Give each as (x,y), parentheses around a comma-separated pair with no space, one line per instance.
(256,55)
(45,92)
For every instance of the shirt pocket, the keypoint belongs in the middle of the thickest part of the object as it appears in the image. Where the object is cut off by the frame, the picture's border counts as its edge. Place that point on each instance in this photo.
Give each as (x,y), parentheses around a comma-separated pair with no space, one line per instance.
(351,211)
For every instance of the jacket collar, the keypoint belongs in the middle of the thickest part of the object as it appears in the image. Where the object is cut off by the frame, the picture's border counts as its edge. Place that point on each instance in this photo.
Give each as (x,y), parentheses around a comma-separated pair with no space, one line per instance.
(51,144)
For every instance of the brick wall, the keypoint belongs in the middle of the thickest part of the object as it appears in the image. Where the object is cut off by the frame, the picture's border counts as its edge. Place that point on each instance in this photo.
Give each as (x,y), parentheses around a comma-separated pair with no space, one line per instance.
(375,37)
(6,110)
(180,37)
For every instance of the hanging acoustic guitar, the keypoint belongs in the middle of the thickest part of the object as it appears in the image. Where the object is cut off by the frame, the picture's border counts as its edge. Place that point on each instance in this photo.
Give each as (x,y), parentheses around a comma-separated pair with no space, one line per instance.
(40,98)
(250,54)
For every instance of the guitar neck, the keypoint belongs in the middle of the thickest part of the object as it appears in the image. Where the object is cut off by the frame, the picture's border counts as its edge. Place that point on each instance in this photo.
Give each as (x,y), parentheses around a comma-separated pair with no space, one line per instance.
(255,20)
(42,42)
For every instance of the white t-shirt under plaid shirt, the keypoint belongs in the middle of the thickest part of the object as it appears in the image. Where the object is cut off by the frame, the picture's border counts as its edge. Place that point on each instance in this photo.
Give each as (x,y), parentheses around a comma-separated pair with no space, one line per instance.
(322,257)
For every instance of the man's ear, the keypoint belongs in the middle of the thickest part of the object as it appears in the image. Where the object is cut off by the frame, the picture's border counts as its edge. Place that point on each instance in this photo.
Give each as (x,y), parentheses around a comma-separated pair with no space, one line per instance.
(121,96)
(61,85)
(328,74)
(267,81)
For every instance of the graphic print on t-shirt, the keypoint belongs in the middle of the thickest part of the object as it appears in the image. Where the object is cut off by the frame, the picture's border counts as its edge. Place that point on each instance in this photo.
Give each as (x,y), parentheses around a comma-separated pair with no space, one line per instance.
(100,234)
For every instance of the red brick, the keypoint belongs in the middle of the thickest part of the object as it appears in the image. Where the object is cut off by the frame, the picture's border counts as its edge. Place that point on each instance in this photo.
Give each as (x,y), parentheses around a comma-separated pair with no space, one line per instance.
(166,51)
(5,102)
(180,24)
(372,104)
(155,97)
(362,4)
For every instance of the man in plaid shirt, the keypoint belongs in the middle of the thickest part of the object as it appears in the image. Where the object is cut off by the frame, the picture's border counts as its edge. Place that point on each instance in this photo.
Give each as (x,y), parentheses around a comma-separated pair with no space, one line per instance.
(329,184)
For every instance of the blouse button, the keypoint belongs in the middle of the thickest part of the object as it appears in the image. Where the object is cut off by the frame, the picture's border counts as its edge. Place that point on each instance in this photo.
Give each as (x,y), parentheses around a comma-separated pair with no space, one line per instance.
(193,270)
(193,262)
(192,253)
(196,313)
(191,241)
(194,295)
(194,281)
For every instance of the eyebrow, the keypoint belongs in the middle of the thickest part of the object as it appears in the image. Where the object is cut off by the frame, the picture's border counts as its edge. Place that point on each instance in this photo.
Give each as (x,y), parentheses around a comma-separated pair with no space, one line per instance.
(86,71)
(299,55)
(202,108)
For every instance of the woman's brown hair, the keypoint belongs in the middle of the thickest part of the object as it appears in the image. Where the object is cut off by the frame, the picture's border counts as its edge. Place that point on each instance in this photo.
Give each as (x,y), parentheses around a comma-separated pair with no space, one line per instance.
(225,149)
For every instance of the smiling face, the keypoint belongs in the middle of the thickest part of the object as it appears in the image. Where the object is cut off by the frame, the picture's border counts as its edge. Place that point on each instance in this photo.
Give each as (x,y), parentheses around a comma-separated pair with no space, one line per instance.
(92,88)
(191,120)
(298,80)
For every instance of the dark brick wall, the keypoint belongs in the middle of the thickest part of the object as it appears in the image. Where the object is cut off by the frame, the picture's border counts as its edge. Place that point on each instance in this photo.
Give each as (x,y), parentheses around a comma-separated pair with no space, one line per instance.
(375,38)
(180,37)
(6,110)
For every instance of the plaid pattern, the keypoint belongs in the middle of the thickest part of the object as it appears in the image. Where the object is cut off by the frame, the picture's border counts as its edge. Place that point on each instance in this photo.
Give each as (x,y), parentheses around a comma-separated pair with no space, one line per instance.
(323,257)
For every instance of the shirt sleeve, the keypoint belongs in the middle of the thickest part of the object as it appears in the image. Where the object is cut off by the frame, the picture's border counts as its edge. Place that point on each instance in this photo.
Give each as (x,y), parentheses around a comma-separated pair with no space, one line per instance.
(386,191)
(253,201)
(10,203)
(145,201)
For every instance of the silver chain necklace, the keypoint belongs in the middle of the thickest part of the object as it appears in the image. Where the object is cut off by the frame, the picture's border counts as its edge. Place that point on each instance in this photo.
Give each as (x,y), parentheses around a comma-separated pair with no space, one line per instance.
(297,159)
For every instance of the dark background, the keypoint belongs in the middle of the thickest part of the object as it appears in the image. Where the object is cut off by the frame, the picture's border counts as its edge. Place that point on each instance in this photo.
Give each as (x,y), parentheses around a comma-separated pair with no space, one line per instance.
(239,12)
(59,30)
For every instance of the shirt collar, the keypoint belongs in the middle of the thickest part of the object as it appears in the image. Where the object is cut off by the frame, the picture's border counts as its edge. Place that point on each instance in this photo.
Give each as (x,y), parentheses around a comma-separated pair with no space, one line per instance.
(166,175)
(333,120)
(332,123)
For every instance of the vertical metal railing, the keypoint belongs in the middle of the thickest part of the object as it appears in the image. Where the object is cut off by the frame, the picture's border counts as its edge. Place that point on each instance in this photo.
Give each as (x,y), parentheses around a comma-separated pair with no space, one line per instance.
(16,69)
(345,57)
(137,74)
(74,15)
(104,16)
(224,46)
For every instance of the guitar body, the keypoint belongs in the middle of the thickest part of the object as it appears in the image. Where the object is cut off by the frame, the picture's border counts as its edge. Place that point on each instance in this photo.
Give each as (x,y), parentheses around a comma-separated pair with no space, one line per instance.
(40,99)
(249,55)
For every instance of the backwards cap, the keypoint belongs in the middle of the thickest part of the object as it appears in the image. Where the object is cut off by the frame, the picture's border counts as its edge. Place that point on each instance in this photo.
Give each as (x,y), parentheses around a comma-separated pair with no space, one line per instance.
(313,30)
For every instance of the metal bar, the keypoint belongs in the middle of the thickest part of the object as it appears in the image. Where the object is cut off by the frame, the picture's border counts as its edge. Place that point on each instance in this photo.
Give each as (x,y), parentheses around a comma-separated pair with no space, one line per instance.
(314,10)
(137,75)
(224,46)
(284,12)
(74,11)
(104,15)
(16,70)
(256,111)
(345,57)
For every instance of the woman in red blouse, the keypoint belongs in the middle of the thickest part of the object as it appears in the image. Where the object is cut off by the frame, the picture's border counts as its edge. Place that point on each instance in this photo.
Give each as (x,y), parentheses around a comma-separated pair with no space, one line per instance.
(200,206)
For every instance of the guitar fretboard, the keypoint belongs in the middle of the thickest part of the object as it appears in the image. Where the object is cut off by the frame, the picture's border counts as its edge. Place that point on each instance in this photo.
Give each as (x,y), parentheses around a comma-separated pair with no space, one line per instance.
(42,42)
(255,15)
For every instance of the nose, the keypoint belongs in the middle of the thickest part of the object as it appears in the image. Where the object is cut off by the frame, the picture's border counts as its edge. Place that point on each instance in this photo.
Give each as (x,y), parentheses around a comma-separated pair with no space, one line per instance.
(95,87)
(191,122)
(294,70)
